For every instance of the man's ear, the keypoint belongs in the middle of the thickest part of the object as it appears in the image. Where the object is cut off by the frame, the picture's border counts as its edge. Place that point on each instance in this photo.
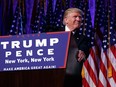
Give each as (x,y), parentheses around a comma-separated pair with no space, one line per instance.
(65,20)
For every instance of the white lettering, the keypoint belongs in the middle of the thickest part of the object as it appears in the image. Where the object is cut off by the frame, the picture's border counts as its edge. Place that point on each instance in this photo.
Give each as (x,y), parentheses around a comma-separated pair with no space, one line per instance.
(48,59)
(18,53)
(22,60)
(53,41)
(4,44)
(50,52)
(36,60)
(29,53)
(8,53)
(29,44)
(40,52)
(15,44)
(41,43)
(9,61)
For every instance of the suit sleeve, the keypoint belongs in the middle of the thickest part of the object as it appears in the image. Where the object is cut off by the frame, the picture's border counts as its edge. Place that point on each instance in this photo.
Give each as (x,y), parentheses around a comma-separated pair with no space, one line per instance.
(84,45)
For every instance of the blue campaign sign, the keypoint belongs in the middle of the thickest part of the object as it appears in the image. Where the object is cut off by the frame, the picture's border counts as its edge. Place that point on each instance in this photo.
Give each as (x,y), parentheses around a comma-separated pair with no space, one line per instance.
(34,51)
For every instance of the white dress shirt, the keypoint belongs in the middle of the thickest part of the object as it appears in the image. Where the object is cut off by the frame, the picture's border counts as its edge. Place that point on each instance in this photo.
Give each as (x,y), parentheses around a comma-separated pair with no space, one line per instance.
(67,29)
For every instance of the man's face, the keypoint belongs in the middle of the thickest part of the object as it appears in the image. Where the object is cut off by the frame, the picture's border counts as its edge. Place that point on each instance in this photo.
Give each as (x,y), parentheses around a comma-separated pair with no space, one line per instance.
(73,20)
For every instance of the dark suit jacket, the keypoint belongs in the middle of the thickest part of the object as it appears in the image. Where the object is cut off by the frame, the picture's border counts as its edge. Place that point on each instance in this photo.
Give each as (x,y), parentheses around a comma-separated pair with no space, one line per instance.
(73,66)
(81,40)
(82,43)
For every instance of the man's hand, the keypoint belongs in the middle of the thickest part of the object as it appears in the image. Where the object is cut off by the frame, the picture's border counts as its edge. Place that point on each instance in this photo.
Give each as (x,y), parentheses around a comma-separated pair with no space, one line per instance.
(80,55)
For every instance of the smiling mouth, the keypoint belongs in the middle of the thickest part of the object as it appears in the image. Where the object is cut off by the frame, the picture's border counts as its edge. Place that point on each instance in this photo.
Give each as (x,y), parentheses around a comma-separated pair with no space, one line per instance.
(78,23)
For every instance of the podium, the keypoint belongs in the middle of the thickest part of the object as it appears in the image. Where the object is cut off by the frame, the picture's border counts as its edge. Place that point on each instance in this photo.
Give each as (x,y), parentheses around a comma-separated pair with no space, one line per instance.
(35,78)
(38,60)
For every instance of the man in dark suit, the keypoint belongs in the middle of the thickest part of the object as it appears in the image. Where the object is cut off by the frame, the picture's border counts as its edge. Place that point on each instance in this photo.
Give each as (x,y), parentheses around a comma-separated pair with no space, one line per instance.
(72,20)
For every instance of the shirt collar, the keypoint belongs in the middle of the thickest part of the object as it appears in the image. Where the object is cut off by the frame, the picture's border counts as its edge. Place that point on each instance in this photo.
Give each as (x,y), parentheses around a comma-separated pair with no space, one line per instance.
(67,29)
